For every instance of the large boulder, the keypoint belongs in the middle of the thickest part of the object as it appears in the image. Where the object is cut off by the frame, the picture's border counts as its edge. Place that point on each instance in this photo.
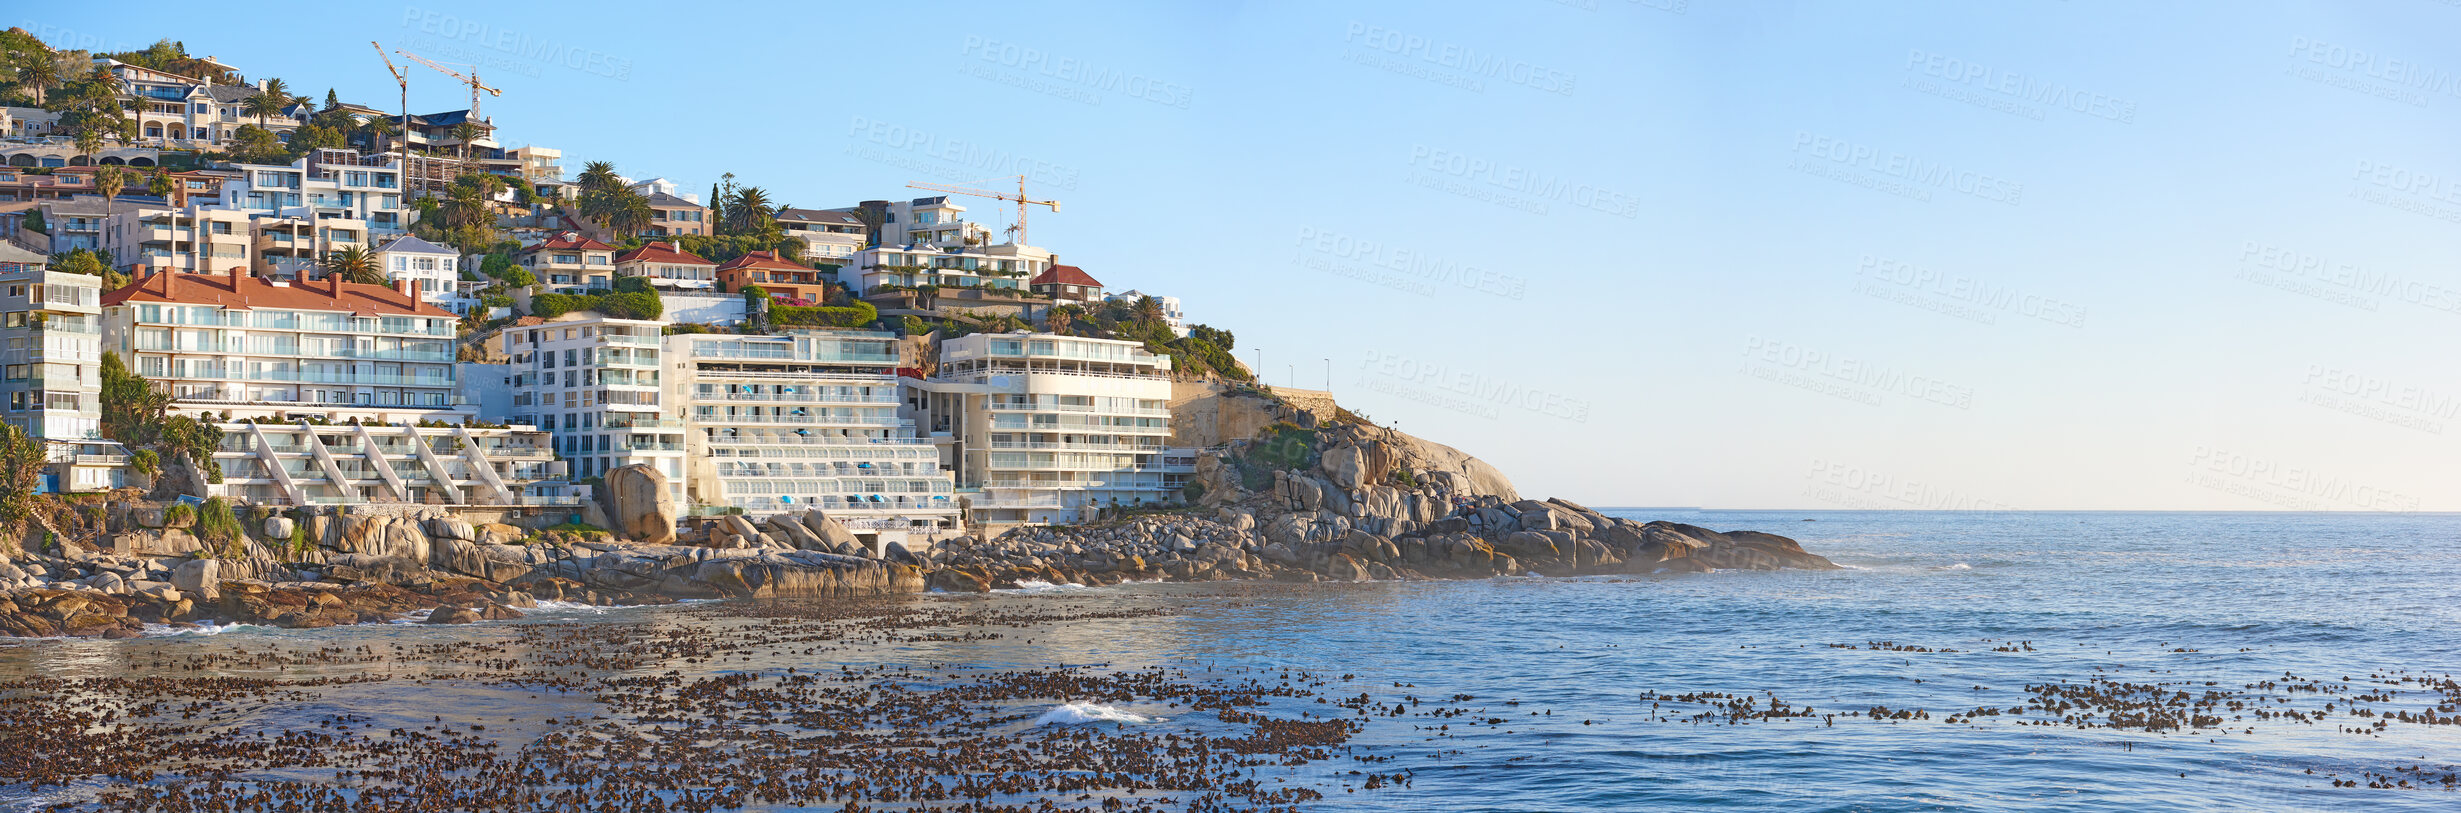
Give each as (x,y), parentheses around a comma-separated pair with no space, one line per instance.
(831,532)
(279,527)
(200,577)
(641,505)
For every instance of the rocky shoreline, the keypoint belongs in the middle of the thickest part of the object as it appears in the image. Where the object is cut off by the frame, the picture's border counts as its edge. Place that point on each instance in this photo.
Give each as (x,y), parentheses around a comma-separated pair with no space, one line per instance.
(382,568)
(1297,502)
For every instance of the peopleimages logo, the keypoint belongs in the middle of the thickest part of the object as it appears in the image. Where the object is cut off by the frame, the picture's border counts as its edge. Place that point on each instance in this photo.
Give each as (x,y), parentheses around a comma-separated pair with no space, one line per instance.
(1524,181)
(1907,168)
(2019,87)
(1070,69)
(1459,57)
(1474,388)
(515,43)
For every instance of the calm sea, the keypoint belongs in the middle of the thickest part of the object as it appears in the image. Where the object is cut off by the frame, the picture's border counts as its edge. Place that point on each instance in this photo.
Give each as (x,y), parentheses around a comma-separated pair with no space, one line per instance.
(1939,612)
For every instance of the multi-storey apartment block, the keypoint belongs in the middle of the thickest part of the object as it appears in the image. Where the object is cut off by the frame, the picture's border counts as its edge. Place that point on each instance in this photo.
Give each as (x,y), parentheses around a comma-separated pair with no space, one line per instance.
(570,262)
(1002,267)
(197,239)
(326,392)
(1050,428)
(594,383)
(50,329)
(324,185)
(808,419)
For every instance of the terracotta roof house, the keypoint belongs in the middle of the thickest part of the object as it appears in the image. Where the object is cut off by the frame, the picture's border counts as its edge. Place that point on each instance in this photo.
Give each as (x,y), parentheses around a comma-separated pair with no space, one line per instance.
(668,267)
(782,279)
(1067,283)
(571,261)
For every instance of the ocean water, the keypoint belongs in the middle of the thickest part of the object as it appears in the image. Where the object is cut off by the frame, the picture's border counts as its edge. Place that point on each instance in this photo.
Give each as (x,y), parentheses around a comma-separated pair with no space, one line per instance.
(1574,684)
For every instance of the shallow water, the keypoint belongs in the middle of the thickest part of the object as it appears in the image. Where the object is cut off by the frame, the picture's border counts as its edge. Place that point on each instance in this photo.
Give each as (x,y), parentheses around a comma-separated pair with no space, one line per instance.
(2176,599)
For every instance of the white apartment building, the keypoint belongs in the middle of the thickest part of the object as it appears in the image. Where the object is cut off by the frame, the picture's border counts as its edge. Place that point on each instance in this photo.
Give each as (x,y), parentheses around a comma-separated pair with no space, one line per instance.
(1000,267)
(807,419)
(1048,428)
(327,392)
(432,270)
(50,350)
(594,382)
(324,185)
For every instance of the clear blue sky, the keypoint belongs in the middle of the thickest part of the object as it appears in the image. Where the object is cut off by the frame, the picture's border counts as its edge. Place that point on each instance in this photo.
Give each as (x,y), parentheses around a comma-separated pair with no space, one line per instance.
(1949,255)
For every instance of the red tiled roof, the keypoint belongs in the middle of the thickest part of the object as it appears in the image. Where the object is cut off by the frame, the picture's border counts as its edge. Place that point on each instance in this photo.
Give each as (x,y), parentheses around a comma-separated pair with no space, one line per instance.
(1064,275)
(571,240)
(762,259)
(661,252)
(251,293)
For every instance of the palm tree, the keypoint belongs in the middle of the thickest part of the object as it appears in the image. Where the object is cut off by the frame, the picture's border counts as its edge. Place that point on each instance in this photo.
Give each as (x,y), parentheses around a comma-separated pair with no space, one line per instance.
(599,176)
(465,133)
(38,71)
(355,264)
(263,105)
(110,181)
(628,213)
(750,212)
(1147,310)
(1061,318)
(466,206)
(159,184)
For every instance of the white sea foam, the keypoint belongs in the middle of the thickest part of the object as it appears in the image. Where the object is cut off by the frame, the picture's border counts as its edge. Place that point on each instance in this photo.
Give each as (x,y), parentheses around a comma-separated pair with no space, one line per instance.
(1957,566)
(207,628)
(1040,586)
(1083,713)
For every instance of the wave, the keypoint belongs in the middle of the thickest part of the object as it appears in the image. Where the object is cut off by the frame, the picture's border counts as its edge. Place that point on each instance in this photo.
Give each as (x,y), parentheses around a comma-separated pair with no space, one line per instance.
(1957,566)
(206,628)
(1086,713)
(1040,586)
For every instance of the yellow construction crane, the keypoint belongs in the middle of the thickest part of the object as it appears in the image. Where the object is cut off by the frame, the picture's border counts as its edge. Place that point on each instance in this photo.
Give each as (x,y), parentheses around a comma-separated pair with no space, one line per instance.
(472,80)
(1020,198)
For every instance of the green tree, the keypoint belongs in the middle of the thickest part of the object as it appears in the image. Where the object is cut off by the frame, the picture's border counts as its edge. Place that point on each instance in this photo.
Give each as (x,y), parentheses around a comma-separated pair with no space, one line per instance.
(627,212)
(36,70)
(749,211)
(110,181)
(1148,311)
(79,261)
(21,475)
(355,264)
(268,101)
(132,407)
(256,145)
